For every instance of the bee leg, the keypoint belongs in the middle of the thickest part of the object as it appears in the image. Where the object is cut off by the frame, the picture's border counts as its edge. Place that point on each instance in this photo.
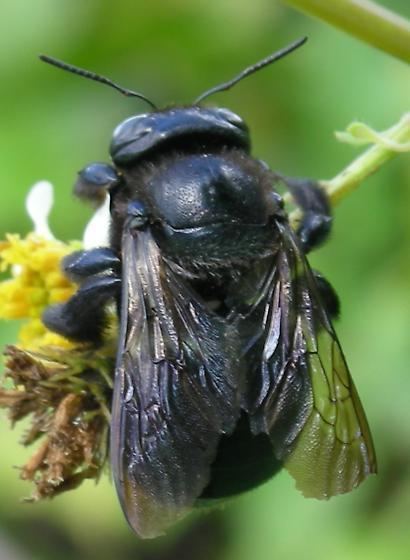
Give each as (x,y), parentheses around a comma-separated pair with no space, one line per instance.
(94,181)
(317,218)
(81,264)
(83,316)
(329,297)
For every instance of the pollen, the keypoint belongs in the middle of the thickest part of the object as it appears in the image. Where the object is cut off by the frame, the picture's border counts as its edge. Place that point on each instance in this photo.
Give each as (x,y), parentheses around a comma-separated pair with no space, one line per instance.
(34,281)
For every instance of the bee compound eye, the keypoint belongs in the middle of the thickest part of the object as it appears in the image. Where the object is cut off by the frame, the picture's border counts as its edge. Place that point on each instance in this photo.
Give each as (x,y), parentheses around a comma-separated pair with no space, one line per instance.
(94,181)
(230,116)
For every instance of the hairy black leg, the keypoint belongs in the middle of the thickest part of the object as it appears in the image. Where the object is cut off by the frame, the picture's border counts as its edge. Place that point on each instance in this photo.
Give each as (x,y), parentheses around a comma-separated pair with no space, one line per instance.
(81,264)
(317,217)
(329,297)
(94,181)
(83,316)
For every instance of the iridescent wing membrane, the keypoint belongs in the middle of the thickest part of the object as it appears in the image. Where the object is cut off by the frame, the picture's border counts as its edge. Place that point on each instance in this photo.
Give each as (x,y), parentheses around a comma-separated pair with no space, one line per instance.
(176,391)
(301,393)
(180,384)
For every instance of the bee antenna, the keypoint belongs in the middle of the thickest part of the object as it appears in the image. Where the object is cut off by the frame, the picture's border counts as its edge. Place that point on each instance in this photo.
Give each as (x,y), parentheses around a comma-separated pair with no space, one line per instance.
(252,69)
(93,76)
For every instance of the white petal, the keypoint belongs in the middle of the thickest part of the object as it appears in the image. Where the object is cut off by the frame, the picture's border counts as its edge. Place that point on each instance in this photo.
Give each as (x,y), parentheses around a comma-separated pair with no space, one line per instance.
(96,234)
(39,202)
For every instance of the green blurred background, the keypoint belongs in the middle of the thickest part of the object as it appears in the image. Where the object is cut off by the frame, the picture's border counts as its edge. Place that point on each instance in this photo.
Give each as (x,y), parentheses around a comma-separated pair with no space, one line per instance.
(54,123)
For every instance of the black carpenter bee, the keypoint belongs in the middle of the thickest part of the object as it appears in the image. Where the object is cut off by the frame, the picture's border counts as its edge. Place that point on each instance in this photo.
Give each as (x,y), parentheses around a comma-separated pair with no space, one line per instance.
(228,367)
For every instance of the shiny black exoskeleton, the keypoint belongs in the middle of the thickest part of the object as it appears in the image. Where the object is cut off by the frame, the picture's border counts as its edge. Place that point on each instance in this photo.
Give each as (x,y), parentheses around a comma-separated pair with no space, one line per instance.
(228,366)
(209,204)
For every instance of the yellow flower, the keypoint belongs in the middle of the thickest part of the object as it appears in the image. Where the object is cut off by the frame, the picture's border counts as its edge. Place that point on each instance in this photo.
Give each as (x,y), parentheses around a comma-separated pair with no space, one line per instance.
(35,283)
(50,375)
(35,278)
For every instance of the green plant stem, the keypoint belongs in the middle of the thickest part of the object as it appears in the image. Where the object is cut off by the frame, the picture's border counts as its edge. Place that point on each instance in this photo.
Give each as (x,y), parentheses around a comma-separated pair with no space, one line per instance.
(360,168)
(364,19)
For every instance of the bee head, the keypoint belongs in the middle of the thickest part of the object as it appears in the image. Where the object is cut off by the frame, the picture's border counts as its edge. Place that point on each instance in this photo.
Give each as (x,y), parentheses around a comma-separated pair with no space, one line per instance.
(140,136)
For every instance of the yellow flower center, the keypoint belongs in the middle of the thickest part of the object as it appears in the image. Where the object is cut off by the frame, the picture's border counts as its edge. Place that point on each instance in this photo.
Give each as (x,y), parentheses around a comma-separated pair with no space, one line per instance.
(35,282)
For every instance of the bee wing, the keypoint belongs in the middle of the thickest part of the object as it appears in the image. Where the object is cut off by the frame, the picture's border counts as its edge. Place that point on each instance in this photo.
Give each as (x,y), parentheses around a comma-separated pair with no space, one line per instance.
(303,396)
(175,391)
